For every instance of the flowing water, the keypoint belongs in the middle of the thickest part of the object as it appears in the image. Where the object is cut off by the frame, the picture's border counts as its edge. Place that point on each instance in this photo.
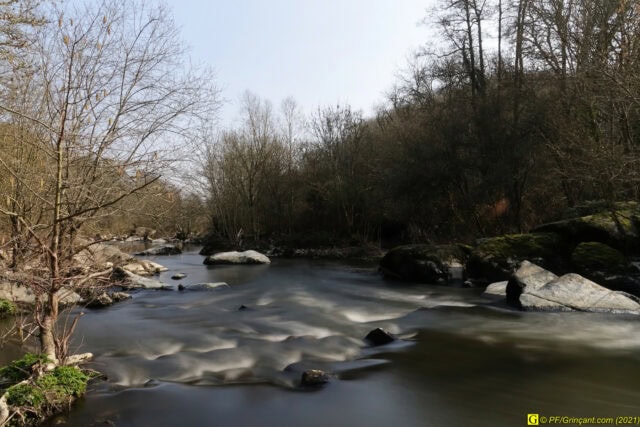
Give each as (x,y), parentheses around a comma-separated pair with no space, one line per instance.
(193,358)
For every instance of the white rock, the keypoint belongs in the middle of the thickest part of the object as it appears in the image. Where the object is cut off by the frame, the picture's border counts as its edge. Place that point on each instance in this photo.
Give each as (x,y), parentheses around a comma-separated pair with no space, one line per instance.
(235,257)
(498,289)
(573,292)
(25,295)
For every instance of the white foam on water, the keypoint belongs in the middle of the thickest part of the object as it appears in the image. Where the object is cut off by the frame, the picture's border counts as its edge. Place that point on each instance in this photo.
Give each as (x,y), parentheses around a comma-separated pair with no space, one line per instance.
(366,317)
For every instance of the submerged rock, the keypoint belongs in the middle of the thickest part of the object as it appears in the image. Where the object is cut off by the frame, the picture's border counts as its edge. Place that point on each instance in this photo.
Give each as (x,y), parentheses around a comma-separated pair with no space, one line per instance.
(206,286)
(314,378)
(234,257)
(424,263)
(161,250)
(378,337)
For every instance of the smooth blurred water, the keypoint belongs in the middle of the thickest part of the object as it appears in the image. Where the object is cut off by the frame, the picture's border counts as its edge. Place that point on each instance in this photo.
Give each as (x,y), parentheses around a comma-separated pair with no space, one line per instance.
(193,358)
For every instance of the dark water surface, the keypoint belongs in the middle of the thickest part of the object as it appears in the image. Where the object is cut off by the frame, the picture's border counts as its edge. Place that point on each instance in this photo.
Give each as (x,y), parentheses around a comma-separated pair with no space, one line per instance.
(192,358)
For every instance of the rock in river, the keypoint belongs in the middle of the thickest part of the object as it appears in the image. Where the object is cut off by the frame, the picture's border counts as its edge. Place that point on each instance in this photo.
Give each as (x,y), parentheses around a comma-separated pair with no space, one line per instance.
(496,290)
(161,250)
(314,378)
(424,263)
(378,337)
(529,276)
(573,292)
(234,257)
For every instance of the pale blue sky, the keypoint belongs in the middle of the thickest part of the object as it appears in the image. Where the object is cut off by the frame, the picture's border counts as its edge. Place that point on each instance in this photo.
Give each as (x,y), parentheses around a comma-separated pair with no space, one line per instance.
(320,52)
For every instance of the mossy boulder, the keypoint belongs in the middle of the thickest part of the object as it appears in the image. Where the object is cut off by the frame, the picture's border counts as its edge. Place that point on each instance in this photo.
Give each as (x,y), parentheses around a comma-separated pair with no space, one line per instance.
(590,257)
(617,225)
(494,259)
(33,396)
(7,308)
(424,263)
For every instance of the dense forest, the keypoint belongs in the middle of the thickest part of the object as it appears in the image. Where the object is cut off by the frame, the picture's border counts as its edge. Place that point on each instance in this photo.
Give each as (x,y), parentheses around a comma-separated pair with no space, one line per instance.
(525,108)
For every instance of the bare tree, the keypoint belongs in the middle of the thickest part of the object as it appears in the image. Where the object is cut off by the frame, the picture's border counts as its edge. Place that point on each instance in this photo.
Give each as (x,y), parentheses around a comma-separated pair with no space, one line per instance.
(112,95)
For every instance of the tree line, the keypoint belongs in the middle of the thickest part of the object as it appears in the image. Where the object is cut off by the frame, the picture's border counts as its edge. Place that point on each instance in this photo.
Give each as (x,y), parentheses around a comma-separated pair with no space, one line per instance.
(522,109)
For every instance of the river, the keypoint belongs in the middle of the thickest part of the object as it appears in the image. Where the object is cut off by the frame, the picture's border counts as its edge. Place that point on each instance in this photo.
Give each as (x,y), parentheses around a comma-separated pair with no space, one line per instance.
(193,358)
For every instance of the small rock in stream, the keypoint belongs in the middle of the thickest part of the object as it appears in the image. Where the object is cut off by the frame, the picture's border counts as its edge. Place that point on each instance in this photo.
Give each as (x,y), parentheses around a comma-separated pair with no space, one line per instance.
(314,378)
(178,276)
(379,337)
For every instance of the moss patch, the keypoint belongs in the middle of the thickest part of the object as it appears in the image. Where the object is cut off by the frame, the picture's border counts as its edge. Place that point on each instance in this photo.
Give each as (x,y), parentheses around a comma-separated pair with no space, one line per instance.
(589,257)
(495,258)
(616,226)
(21,369)
(36,398)
(7,308)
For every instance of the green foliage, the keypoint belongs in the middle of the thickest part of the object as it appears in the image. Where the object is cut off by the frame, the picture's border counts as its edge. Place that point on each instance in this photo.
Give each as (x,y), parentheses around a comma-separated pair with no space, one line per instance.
(63,384)
(7,308)
(20,369)
(25,395)
(40,397)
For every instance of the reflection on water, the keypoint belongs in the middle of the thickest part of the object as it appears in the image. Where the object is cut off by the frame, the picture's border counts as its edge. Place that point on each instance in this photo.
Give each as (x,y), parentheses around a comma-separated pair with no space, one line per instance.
(194,358)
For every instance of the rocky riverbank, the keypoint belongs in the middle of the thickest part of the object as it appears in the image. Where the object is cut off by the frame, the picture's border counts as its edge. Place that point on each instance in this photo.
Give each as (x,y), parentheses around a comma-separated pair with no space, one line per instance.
(598,248)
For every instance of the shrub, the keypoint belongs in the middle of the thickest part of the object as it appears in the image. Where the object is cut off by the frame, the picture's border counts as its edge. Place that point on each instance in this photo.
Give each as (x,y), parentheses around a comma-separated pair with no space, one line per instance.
(7,308)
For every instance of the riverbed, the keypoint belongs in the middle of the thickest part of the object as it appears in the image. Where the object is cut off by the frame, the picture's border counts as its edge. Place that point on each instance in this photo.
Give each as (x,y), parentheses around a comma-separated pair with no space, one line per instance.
(233,355)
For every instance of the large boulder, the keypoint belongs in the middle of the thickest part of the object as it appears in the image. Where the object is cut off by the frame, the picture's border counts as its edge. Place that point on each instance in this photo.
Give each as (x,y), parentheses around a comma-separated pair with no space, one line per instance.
(494,259)
(617,225)
(529,276)
(99,256)
(161,250)
(21,294)
(143,267)
(593,257)
(573,292)
(234,257)
(424,263)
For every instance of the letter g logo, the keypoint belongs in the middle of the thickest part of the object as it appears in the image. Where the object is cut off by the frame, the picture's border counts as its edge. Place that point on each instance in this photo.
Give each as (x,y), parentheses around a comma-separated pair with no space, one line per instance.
(533,419)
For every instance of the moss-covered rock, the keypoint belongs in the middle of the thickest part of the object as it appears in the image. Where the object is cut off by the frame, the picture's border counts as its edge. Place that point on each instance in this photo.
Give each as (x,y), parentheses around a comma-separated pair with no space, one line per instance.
(423,263)
(7,308)
(589,257)
(32,396)
(617,225)
(21,369)
(494,259)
